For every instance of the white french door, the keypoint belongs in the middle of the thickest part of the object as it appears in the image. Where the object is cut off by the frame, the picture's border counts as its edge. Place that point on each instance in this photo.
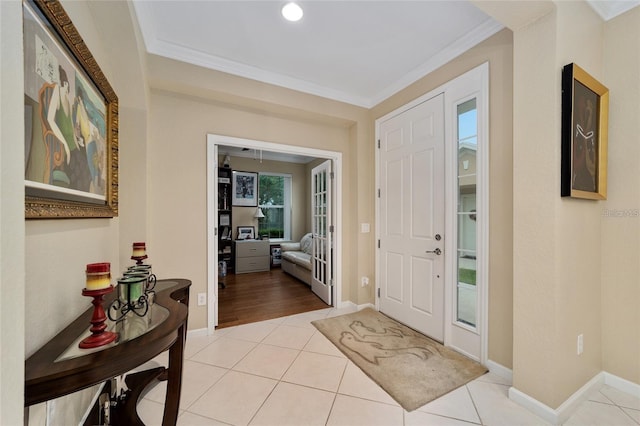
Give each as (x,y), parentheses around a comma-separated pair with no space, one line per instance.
(412,210)
(321,229)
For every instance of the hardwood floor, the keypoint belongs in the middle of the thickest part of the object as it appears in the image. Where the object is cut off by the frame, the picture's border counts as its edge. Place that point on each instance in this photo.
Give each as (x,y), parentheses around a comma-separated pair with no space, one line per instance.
(263,295)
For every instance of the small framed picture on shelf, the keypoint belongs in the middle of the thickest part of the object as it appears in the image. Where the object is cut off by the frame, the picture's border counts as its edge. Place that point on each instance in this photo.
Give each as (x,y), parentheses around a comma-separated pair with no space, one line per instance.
(224,220)
(226,233)
(246,233)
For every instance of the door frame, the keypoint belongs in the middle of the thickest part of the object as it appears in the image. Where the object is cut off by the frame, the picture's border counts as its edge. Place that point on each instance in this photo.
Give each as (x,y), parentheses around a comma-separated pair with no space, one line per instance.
(454,91)
(213,141)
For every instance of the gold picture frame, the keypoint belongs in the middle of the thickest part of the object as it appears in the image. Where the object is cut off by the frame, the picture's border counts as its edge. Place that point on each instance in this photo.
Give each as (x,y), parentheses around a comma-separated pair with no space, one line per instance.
(585,121)
(71,121)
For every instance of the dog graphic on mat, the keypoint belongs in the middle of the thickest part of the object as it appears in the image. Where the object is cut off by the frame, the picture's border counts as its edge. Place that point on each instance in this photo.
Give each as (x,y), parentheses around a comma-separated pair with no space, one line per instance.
(373,345)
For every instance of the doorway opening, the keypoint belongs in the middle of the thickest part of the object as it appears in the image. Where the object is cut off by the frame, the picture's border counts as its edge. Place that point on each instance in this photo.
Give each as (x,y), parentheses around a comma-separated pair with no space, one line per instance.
(216,145)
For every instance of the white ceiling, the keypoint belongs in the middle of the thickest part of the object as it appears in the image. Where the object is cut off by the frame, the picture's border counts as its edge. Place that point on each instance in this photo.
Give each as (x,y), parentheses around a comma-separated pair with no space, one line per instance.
(609,9)
(359,52)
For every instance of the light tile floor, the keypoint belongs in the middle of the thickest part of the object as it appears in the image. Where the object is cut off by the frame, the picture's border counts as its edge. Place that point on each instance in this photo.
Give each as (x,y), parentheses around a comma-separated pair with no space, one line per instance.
(284,372)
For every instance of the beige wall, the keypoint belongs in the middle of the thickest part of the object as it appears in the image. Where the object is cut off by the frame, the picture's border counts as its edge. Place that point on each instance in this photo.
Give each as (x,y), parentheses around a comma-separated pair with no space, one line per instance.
(50,255)
(58,250)
(12,269)
(498,51)
(177,175)
(620,218)
(560,242)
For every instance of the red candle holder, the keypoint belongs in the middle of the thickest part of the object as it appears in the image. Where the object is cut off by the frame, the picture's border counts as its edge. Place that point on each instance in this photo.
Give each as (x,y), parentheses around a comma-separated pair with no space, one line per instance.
(139,252)
(99,337)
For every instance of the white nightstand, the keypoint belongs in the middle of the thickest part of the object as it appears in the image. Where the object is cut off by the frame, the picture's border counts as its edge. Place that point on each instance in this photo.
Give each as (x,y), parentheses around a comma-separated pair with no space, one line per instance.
(252,256)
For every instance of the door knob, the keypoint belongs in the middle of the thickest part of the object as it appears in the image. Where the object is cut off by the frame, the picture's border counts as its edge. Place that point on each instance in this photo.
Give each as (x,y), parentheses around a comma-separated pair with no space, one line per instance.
(437,251)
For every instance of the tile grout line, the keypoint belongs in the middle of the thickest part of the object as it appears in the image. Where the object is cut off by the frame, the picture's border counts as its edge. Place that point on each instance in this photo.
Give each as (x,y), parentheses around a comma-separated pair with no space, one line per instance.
(280,380)
(624,412)
(342,377)
(473,401)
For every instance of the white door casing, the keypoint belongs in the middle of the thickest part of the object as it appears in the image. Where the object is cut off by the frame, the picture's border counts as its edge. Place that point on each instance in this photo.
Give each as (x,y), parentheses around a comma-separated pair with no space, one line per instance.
(412,206)
(469,340)
(213,141)
(321,229)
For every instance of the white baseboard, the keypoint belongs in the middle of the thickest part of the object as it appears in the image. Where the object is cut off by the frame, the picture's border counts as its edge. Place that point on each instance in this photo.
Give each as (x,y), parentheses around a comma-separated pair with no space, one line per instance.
(350,305)
(500,370)
(197,332)
(366,305)
(347,304)
(536,407)
(343,304)
(622,384)
(568,407)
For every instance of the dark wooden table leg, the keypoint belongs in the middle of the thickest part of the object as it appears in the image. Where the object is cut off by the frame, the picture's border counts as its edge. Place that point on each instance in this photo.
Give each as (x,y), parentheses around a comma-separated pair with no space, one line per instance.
(174,379)
(125,412)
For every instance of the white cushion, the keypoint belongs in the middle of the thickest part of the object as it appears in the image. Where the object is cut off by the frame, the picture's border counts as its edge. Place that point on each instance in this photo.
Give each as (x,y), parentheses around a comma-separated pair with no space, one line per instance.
(299,258)
(306,243)
(290,246)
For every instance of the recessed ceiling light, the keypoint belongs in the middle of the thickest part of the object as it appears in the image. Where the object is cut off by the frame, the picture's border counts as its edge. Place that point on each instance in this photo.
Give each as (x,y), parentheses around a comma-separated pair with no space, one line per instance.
(292,12)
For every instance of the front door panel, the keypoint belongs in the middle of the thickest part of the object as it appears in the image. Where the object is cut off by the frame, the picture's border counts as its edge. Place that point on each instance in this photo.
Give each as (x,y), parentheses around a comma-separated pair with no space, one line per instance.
(412,213)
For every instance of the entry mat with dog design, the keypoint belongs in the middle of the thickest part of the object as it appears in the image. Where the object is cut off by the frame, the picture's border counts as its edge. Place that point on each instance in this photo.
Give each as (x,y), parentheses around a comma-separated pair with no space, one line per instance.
(409,366)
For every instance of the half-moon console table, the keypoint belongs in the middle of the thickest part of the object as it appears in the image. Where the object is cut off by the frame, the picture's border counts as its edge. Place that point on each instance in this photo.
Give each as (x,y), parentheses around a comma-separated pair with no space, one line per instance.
(60,367)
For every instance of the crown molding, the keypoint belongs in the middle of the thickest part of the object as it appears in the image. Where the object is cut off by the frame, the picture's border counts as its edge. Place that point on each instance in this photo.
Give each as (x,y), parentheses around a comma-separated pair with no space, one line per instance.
(466,42)
(612,8)
(186,54)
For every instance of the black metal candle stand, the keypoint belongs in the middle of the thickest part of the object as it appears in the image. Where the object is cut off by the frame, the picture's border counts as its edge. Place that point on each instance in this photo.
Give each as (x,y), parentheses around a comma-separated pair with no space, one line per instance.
(140,307)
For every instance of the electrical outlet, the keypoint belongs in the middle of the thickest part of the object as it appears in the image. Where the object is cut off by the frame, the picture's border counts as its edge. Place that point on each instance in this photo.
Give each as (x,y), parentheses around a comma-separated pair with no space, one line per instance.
(364,281)
(202,299)
(580,344)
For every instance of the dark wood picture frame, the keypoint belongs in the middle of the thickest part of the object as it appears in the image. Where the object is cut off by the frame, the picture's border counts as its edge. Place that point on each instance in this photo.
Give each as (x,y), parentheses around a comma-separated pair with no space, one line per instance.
(244,189)
(585,120)
(246,233)
(71,121)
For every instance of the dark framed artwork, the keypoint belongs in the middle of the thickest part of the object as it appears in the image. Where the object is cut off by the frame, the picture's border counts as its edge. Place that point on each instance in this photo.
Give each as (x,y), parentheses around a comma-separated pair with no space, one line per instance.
(585,120)
(246,233)
(71,121)
(244,191)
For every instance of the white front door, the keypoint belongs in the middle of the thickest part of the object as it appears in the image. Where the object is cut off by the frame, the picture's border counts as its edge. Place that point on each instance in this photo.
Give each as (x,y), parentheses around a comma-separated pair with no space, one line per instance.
(321,229)
(411,164)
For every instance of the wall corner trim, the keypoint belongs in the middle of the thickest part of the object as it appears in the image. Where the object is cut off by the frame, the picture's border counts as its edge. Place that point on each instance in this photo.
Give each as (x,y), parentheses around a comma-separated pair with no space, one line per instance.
(621,384)
(197,332)
(569,406)
(500,370)
(366,305)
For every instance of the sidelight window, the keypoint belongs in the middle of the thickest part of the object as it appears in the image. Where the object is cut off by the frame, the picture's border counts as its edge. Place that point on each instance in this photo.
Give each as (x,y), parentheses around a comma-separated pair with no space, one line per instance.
(467,138)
